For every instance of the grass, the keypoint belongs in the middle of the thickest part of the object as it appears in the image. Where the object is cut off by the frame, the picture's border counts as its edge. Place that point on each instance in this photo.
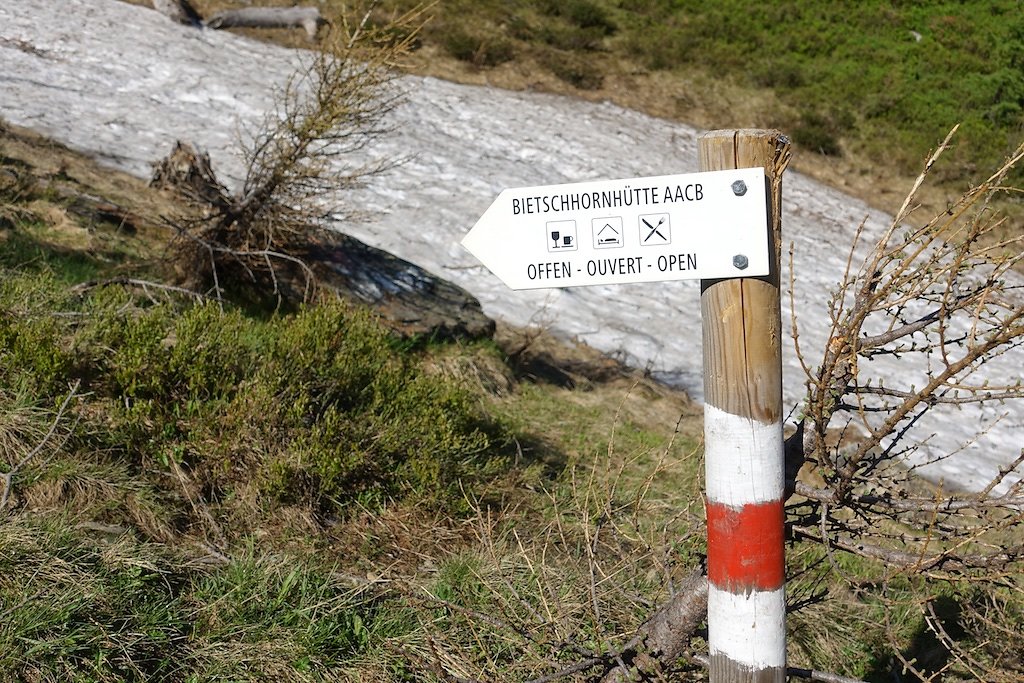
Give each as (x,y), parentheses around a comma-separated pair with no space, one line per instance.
(120,608)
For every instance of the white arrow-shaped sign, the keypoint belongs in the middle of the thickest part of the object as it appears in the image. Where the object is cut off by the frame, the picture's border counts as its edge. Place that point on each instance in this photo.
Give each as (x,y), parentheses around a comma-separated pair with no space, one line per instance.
(674,227)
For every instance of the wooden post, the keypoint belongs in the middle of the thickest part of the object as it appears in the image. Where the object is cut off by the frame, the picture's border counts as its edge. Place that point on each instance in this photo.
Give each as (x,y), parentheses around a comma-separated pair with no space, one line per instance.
(743,437)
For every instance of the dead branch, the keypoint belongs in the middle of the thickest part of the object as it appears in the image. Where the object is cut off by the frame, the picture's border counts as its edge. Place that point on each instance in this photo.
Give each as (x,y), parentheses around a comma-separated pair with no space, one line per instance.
(942,263)
(949,563)
(664,638)
(144,285)
(951,503)
(820,676)
(306,18)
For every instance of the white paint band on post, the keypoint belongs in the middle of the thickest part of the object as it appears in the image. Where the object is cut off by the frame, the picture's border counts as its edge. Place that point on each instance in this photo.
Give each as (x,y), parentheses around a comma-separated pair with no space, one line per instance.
(735,474)
(758,648)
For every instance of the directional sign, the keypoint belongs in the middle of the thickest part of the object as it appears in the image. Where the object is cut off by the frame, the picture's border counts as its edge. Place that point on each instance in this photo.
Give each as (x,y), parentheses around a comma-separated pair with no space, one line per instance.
(675,227)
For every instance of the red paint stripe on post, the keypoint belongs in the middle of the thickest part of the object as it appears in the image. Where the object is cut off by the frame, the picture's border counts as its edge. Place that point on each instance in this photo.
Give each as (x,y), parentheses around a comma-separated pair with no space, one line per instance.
(745,546)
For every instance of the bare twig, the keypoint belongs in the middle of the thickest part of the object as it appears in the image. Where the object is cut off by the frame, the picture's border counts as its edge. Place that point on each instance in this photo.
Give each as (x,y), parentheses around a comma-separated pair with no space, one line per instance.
(951,503)
(8,477)
(820,676)
(943,297)
(145,285)
(949,563)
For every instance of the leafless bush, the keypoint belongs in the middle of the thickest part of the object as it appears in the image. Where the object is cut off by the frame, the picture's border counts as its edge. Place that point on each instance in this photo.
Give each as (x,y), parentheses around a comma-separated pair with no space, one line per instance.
(299,163)
(945,299)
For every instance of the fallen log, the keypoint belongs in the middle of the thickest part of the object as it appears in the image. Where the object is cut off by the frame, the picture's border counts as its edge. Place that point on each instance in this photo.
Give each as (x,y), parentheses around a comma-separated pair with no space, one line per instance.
(307,18)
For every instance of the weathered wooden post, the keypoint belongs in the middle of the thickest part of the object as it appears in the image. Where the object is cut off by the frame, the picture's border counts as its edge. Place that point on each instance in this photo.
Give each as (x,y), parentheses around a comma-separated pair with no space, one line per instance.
(743,435)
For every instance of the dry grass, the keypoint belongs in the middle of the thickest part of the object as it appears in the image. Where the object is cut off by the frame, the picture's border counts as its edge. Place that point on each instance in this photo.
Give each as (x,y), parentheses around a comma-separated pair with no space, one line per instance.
(557,585)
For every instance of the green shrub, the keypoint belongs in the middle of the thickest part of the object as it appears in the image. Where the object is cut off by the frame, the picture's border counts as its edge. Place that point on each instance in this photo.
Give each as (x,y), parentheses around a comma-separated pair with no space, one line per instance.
(322,407)
(571,37)
(658,46)
(338,413)
(481,51)
(329,354)
(377,427)
(778,74)
(909,72)
(34,350)
(574,70)
(581,13)
(817,134)
(519,27)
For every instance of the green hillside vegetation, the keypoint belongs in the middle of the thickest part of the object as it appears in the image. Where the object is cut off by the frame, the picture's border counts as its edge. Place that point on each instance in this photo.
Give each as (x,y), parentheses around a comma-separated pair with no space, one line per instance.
(865,89)
(886,80)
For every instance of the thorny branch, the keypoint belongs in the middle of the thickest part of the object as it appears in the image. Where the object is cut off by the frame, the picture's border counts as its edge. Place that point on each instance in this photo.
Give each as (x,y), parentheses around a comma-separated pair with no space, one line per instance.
(945,298)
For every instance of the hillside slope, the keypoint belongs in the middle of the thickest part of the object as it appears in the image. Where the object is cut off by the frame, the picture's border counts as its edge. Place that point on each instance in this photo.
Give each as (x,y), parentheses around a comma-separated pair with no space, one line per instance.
(71,77)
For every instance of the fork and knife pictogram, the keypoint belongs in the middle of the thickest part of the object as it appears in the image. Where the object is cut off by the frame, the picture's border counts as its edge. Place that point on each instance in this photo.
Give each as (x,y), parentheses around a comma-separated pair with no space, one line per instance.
(654,229)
